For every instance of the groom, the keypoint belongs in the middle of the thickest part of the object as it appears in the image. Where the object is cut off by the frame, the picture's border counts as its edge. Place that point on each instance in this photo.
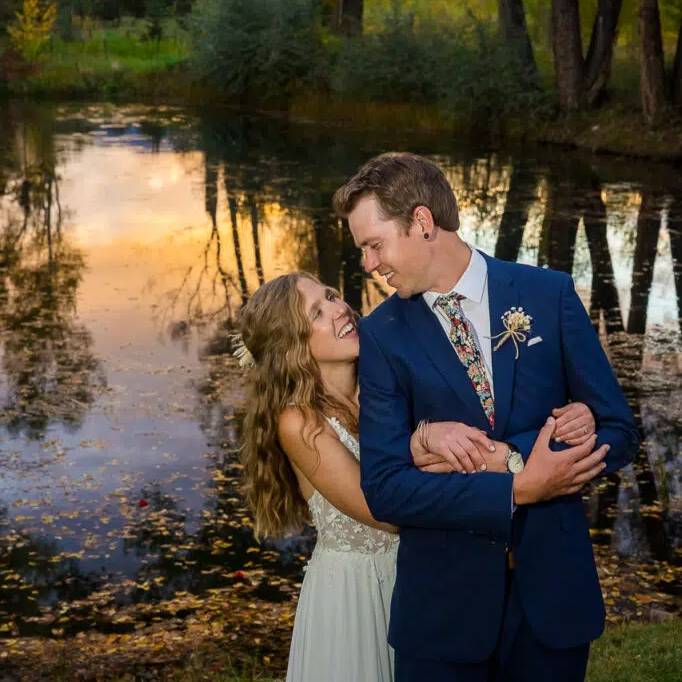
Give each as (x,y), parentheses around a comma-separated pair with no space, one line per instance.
(496,577)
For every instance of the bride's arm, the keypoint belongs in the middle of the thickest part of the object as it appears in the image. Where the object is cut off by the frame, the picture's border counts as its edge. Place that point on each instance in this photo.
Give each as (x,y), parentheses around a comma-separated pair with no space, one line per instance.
(444,447)
(332,470)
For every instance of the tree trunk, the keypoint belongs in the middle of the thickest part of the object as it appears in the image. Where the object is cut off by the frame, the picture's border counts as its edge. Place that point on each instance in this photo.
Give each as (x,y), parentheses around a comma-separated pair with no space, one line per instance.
(652,65)
(676,84)
(600,51)
(568,54)
(350,16)
(512,18)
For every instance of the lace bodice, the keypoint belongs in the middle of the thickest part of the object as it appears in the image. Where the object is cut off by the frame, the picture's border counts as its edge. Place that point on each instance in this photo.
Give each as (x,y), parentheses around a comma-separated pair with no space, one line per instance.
(339,532)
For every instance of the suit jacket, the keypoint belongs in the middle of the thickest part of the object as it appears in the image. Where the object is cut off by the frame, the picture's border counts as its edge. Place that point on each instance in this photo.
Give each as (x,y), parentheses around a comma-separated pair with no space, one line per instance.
(455,528)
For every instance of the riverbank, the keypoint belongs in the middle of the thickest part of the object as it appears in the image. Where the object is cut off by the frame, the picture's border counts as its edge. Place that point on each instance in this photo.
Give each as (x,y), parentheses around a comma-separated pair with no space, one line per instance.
(122,69)
(625,653)
(610,130)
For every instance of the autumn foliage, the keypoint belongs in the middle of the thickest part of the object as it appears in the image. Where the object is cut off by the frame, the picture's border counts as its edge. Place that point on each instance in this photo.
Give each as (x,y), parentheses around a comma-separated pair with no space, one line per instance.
(31,29)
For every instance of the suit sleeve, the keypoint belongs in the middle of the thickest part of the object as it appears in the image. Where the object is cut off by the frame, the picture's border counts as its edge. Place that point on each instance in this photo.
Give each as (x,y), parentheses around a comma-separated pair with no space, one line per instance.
(397,491)
(591,380)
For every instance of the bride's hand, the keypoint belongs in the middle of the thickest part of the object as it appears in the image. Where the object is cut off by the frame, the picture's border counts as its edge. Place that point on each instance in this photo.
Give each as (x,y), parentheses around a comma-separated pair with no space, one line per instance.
(574,424)
(462,448)
(427,461)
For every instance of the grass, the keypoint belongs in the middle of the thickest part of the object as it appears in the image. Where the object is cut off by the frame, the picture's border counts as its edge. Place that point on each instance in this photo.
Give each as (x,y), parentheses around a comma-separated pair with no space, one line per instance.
(626,653)
(638,653)
(116,62)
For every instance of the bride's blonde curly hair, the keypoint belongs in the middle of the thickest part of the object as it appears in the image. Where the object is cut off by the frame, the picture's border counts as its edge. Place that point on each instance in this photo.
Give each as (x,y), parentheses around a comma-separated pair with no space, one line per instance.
(276,330)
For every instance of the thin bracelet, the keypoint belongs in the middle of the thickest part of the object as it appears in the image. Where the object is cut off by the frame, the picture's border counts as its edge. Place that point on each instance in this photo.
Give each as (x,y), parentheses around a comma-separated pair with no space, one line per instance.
(421,434)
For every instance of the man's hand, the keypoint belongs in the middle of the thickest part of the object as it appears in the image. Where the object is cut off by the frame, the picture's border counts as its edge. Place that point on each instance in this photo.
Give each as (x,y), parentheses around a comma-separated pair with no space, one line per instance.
(550,474)
(574,423)
(452,446)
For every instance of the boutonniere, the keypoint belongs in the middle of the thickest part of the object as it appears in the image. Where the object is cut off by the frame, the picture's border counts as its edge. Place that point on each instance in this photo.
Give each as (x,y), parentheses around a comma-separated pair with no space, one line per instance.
(516,323)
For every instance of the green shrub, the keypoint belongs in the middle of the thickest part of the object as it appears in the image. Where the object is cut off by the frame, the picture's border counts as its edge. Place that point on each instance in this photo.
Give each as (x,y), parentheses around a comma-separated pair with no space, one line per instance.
(484,79)
(395,63)
(460,64)
(261,49)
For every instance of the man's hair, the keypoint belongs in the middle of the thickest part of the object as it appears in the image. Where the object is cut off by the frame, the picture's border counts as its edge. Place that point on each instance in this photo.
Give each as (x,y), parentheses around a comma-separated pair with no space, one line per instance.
(401,181)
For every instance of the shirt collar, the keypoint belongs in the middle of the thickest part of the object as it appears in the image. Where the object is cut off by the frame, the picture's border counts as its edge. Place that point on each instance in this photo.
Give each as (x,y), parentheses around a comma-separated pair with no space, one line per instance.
(471,284)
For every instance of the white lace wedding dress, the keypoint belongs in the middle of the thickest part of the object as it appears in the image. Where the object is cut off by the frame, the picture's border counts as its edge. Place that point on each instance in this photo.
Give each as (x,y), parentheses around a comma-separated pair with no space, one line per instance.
(341,621)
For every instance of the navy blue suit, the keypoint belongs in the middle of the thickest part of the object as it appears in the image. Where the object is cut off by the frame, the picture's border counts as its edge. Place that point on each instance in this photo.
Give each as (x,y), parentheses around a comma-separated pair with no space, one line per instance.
(455,528)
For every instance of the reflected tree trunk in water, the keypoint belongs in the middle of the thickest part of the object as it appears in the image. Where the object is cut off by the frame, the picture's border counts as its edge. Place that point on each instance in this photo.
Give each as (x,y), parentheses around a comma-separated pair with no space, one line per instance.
(327,241)
(211,191)
(353,277)
(560,226)
(253,209)
(675,230)
(234,220)
(48,220)
(628,357)
(211,169)
(222,274)
(604,293)
(630,537)
(648,226)
(521,193)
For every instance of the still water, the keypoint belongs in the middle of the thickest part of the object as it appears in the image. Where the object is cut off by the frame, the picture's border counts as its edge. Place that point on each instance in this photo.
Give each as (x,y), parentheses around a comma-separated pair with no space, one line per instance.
(129,239)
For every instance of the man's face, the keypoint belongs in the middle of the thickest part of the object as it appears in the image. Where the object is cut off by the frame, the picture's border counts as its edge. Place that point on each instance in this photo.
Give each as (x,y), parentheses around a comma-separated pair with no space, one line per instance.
(401,257)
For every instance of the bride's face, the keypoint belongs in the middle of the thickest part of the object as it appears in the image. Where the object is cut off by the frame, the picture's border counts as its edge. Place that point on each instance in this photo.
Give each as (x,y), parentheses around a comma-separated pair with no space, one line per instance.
(333,330)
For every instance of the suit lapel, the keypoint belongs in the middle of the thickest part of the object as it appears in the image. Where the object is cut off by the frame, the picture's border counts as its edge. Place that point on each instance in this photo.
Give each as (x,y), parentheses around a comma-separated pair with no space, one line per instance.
(435,343)
(502,295)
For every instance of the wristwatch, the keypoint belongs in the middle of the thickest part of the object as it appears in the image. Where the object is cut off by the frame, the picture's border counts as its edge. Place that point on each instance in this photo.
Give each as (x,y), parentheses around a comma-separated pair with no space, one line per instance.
(513,460)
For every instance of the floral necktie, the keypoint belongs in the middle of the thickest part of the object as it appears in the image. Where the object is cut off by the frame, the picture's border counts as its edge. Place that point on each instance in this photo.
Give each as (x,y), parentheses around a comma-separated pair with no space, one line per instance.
(468,352)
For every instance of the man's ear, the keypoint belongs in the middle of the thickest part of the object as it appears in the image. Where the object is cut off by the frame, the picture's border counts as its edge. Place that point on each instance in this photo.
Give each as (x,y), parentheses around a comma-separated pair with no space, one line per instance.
(423,220)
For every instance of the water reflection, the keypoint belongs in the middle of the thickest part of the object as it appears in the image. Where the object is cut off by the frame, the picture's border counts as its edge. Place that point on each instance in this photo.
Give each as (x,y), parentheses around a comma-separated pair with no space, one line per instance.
(129,240)
(50,371)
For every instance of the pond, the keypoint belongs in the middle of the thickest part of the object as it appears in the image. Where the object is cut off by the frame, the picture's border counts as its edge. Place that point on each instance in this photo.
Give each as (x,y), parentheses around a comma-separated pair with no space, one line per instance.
(129,238)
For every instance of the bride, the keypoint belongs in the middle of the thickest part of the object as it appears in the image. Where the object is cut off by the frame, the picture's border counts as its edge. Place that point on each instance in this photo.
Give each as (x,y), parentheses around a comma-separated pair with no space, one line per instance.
(301,464)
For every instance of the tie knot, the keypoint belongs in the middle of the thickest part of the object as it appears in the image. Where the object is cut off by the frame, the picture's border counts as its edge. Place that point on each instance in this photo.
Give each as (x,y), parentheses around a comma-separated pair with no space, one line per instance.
(449,302)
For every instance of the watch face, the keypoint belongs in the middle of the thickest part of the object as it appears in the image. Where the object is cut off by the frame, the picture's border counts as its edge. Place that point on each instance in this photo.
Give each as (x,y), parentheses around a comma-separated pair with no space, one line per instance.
(515,463)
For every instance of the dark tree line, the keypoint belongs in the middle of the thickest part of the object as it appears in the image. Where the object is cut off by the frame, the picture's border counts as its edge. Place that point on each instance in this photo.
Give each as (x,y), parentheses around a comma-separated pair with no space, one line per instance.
(582,77)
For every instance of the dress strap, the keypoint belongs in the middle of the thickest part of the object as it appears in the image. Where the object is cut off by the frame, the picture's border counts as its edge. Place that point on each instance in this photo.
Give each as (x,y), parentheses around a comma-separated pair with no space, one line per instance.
(345,436)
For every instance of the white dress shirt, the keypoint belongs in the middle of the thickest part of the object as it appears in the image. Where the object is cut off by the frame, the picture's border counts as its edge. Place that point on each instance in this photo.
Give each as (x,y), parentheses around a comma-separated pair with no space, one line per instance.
(473,284)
